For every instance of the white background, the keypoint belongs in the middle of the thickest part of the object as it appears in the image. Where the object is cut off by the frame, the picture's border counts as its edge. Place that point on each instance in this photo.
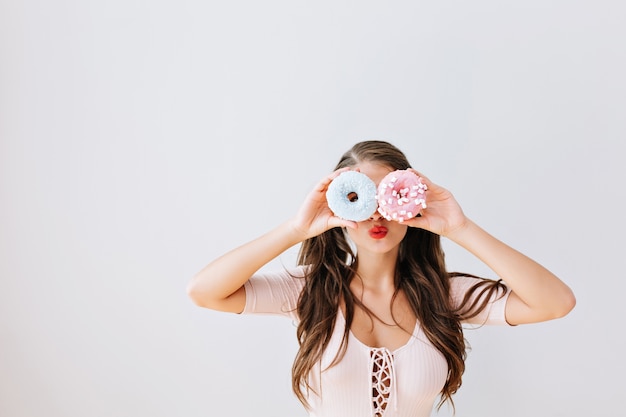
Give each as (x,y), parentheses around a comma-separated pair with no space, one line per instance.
(141,139)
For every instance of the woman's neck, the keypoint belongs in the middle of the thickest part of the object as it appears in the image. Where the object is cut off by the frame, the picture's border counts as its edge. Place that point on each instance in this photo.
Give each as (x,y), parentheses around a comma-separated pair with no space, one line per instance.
(376,272)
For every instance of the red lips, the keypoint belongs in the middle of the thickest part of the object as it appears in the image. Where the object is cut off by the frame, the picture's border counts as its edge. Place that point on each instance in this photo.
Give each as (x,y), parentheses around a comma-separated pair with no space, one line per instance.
(378,232)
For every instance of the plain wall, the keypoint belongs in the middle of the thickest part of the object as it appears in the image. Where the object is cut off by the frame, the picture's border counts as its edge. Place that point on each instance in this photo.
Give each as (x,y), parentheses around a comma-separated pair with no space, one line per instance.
(142,139)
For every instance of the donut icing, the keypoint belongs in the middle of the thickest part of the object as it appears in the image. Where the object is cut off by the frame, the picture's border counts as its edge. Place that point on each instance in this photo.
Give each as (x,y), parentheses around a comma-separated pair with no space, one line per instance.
(400,195)
(352,196)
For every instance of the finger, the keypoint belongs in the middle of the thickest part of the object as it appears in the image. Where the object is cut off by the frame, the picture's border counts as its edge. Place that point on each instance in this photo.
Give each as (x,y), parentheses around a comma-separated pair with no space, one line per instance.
(339,222)
(340,171)
(431,185)
(417,222)
(323,184)
(412,222)
(419,174)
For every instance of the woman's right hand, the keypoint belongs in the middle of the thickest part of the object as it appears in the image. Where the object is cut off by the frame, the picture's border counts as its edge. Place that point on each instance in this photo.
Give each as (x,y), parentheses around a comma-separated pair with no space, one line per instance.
(219,285)
(314,216)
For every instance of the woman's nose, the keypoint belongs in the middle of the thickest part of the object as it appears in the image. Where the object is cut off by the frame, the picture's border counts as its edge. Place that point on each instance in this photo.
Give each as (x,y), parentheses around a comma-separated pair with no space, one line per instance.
(376,215)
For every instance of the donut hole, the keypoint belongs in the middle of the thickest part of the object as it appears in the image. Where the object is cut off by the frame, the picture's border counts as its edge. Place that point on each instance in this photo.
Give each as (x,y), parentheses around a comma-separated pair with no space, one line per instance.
(352,197)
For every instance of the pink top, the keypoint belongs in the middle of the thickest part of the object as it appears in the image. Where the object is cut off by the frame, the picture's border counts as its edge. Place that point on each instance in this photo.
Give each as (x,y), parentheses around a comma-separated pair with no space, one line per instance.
(367,381)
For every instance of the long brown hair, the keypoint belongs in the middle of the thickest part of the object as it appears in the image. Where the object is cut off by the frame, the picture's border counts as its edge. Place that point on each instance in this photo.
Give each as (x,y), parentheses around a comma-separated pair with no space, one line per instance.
(420,274)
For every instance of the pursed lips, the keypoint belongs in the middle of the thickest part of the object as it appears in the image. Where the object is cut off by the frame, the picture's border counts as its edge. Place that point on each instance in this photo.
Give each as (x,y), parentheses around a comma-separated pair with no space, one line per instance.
(378,232)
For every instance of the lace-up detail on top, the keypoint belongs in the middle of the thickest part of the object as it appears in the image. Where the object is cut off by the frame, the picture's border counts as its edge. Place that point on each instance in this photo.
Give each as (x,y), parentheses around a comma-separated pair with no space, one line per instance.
(383,380)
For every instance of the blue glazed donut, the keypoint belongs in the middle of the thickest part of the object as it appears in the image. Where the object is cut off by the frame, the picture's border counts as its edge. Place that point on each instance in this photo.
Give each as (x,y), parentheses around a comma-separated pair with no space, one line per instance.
(352,196)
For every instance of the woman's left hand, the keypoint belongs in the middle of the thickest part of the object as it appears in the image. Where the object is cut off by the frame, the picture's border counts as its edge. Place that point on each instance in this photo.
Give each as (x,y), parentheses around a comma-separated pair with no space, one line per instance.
(442,215)
(536,293)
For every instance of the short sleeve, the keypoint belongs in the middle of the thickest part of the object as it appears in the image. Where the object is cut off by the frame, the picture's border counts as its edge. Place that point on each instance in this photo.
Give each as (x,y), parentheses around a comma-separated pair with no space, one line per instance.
(494,312)
(274,293)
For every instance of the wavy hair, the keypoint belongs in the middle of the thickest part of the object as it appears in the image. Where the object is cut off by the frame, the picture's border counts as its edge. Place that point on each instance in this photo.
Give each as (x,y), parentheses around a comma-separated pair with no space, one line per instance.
(420,274)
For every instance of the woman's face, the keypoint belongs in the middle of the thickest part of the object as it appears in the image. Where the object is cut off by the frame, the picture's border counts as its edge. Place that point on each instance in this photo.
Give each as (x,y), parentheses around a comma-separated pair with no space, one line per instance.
(376,235)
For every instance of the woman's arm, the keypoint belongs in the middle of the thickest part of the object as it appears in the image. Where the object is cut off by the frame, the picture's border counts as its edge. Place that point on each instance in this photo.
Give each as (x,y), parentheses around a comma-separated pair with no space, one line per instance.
(537,294)
(219,285)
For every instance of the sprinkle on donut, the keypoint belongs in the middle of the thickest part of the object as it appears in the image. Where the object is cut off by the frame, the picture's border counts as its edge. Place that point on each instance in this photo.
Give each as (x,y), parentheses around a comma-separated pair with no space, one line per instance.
(401,195)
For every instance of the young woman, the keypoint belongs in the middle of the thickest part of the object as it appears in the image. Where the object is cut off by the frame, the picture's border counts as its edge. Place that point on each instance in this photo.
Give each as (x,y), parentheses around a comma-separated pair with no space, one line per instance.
(379,316)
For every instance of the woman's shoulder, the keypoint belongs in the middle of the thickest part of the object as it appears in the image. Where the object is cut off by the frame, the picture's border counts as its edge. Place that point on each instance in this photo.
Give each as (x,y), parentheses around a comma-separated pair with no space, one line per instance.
(461,283)
(479,300)
(294,275)
(274,291)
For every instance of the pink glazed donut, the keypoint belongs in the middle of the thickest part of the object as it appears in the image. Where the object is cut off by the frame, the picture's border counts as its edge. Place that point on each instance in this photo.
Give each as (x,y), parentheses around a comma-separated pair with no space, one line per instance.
(401,195)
